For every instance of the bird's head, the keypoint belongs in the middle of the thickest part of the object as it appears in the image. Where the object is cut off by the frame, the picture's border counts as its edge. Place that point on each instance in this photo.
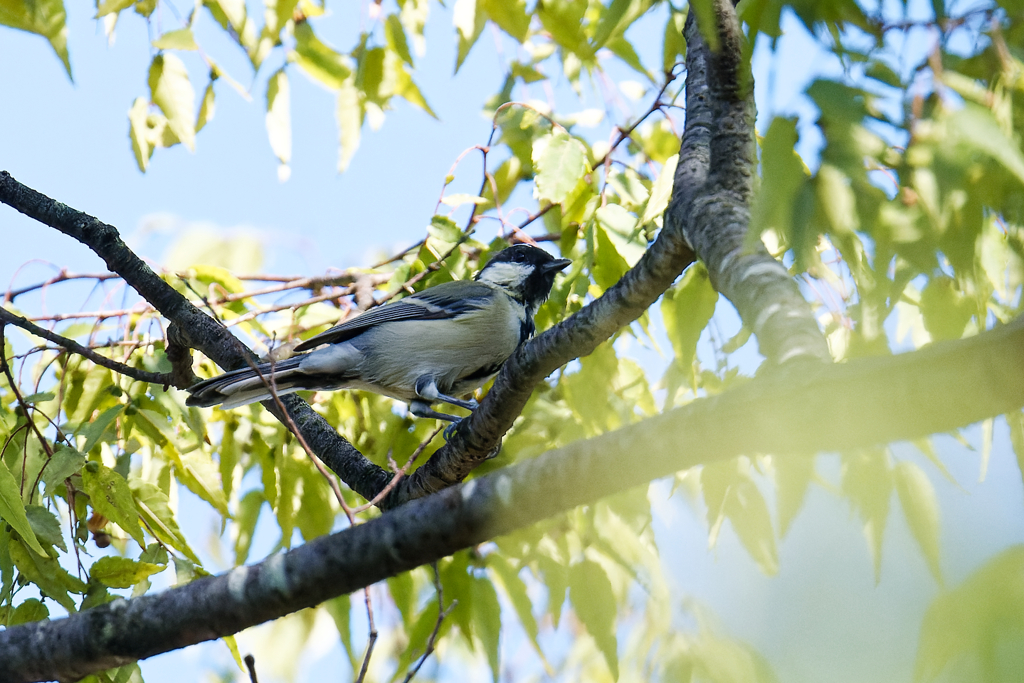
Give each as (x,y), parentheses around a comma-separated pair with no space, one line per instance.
(524,271)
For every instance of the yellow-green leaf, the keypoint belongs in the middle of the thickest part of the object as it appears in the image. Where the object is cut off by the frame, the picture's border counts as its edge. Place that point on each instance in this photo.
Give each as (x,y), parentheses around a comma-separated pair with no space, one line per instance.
(121,572)
(12,509)
(46,18)
(591,595)
(661,191)
(350,123)
(560,160)
(318,60)
(171,90)
(921,507)
(154,508)
(279,117)
(180,39)
(111,497)
(510,15)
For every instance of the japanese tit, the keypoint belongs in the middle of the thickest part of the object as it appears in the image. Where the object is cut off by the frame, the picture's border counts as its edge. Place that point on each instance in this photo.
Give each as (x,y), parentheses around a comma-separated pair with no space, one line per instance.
(432,346)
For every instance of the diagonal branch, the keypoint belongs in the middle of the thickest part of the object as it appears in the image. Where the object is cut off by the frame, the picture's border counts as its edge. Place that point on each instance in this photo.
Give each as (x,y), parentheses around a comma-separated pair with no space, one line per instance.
(834,407)
(164,378)
(195,328)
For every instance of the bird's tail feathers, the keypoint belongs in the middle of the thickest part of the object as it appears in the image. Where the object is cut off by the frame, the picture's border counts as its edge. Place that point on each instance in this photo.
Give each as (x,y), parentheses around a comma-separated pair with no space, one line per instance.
(245,385)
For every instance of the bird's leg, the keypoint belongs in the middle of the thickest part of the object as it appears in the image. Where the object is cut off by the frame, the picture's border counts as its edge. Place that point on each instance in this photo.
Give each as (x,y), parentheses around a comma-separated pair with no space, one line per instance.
(426,388)
(423,409)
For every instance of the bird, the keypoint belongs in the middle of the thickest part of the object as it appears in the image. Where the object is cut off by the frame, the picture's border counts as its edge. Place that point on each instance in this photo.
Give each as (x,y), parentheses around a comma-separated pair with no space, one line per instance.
(430,347)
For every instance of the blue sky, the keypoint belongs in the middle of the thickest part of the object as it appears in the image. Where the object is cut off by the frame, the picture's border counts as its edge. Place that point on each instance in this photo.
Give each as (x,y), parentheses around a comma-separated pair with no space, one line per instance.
(814,621)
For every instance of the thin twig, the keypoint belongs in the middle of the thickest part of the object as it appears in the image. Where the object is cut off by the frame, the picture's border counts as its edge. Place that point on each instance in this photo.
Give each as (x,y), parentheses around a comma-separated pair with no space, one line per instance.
(250,663)
(398,474)
(441,614)
(73,346)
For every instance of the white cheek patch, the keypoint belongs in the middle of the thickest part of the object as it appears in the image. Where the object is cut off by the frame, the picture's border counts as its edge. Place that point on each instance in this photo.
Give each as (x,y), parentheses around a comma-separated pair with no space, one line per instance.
(506,274)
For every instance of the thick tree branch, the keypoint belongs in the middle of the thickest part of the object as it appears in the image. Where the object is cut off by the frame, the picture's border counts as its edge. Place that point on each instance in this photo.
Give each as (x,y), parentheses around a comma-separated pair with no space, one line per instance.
(164,378)
(763,292)
(839,407)
(195,328)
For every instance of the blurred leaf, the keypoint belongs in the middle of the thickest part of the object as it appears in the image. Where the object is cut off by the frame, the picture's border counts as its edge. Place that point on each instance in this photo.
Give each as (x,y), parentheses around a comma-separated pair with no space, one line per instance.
(921,507)
(207,108)
(181,39)
(350,122)
(510,15)
(469,20)
(395,35)
(27,612)
(731,494)
(279,117)
(46,18)
(976,631)
(171,90)
(793,475)
(946,311)
(561,161)
(106,7)
(110,496)
(974,127)
(121,572)
(661,191)
(592,598)
(487,621)
(867,481)
(12,509)
(515,589)
(340,609)
(318,60)
(674,46)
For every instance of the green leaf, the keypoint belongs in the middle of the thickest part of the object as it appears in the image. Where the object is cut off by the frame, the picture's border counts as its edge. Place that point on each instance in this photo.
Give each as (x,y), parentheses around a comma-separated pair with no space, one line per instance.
(121,572)
(394,33)
(487,621)
(46,18)
(686,309)
(279,117)
(705,11)
(340,609)
(945,310)
(556,579)
(198,472)
(560,161)
(674,46)
(246,516)
(867,483)
(591,595)
(515,589)
(782,177)
(206,109)
(12,509)
(510,15)
(921,507)
(45,525)
(611,18)
(349,114)
(793,474)
(181,39)
(974,127)
(138,132)
(171,90)
(469,20)
(93,430)
(318,60)
(28,611)
(65,462)
(47,574)
(977,625)
(154,508)
(661,191)
(731,494)
(111,6)
(110,496)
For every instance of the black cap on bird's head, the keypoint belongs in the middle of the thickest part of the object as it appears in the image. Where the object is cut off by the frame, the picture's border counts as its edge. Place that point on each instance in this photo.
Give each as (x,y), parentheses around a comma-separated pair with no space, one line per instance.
(526,272)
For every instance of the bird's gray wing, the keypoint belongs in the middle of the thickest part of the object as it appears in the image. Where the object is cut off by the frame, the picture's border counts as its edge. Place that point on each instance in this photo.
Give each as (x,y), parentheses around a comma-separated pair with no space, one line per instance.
(448,300)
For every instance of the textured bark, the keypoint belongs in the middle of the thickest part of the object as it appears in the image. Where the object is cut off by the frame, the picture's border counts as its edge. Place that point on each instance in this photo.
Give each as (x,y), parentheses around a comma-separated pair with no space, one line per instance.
(763,292)
(791,411)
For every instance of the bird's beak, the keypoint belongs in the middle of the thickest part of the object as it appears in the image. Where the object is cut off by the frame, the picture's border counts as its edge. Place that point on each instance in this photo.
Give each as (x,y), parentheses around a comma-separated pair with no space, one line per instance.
(556,265)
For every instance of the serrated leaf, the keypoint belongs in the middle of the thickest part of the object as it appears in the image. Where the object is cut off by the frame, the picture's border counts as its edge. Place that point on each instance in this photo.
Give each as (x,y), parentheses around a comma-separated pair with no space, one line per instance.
(154,508)
(171,90)
(921,508)
(515,589)
(279,117)
(121,572)
(198,472)
(45,525)
(510,15)
(592,598)
(246,516)
(181,39)
(94,429)
(46,18)
(556,579)
(47,574)
(469,21)
(110,496)
(65,462)
(27,612)
(793,475)
(12,509)
(560,161)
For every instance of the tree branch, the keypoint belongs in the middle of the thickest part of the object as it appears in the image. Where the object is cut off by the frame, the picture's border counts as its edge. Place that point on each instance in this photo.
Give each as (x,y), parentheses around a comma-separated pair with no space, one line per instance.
(195,329)
(763,292)
(832,407)
(164,378)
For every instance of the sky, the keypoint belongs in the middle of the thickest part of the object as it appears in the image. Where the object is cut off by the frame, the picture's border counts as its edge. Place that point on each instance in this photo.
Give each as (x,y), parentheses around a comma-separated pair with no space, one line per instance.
(69,140)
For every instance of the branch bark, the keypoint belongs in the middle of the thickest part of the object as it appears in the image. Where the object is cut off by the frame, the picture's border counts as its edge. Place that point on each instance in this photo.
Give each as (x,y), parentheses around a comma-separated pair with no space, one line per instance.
(793,411)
